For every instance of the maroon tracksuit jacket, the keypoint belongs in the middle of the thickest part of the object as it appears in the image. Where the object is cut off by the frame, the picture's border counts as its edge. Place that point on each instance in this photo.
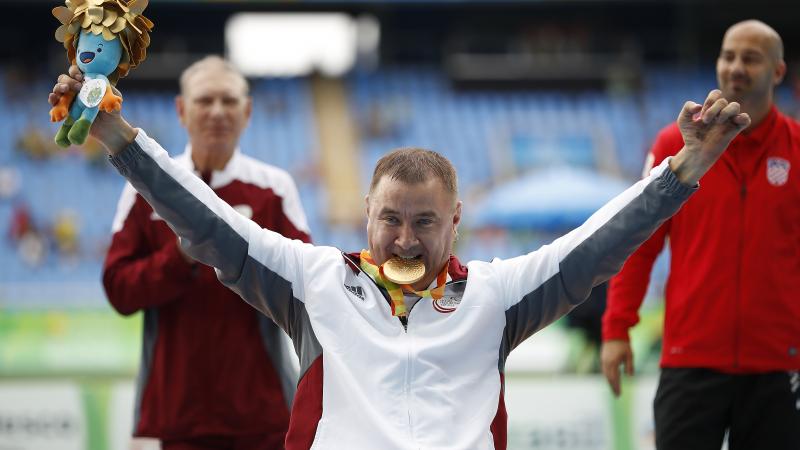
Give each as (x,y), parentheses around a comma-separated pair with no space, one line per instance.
(211,365)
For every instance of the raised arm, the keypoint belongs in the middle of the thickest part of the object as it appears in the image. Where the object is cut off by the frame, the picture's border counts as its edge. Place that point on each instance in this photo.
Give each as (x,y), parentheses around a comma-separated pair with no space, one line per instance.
(265,268)
(542,286)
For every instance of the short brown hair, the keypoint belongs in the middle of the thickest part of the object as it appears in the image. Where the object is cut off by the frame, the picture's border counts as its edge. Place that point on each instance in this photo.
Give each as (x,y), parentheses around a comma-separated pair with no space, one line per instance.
(413,165)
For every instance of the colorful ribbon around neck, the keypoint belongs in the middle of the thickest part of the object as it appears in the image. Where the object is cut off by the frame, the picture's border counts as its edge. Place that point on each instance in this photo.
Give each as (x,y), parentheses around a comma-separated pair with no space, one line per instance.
(396,292)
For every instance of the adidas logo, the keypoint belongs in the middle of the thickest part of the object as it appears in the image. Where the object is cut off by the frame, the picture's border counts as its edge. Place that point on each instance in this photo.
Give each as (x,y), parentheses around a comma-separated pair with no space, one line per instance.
(355,290)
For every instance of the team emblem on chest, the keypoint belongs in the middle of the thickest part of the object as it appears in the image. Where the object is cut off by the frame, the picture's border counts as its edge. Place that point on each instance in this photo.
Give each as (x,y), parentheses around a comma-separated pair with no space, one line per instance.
(446,304)
(777,171)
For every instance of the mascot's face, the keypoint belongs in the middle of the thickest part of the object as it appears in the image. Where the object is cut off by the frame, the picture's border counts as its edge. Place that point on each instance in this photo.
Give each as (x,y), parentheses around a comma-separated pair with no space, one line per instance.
(97,55)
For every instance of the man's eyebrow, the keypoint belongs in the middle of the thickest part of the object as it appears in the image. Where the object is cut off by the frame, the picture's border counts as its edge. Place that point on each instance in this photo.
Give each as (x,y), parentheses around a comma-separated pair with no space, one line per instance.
(428,214)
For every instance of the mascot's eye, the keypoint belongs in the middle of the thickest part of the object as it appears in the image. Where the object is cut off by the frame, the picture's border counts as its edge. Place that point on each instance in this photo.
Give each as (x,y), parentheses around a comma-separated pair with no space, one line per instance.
(99,50)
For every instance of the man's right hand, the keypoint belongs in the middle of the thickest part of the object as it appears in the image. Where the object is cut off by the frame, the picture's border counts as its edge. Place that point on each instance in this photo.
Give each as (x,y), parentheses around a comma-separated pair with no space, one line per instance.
(110,129)
(614,353)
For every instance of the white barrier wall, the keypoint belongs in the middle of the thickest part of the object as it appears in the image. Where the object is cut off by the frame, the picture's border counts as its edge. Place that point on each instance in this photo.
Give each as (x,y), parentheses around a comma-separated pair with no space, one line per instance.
(642,422)
(558,412)
(42,415)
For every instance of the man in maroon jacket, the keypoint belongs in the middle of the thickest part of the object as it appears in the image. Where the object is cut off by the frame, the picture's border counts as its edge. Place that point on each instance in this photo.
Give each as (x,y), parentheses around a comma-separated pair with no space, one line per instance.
(214,372)
(731,349)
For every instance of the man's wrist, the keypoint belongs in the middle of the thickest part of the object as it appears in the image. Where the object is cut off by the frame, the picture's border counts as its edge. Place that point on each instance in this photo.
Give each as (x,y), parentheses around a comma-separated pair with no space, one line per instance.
(116,138)
(686,167)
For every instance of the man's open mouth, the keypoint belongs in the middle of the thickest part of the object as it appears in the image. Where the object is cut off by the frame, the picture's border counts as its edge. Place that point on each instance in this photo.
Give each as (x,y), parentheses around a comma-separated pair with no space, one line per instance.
(407,257)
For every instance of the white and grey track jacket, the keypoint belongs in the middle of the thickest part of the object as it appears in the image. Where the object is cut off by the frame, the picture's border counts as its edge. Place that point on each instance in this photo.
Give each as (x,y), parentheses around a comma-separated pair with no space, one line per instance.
(366,381)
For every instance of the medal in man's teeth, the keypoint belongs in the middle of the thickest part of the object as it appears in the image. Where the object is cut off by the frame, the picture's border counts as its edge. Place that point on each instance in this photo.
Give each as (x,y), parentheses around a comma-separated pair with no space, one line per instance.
(404,271)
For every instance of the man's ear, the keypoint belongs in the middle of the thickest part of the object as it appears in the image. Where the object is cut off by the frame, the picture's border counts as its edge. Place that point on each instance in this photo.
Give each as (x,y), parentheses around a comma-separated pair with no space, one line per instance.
(780,72)
(181,109)
(248,109)
(366,203)
(457,215)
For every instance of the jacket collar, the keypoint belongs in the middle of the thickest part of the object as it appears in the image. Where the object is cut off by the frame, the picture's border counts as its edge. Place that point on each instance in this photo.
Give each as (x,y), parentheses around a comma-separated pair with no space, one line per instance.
(763,130)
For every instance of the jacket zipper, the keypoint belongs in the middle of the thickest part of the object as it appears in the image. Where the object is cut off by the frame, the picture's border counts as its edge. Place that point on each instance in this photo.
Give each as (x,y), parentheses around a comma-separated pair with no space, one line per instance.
(737,311)
(407,385)
(407,375)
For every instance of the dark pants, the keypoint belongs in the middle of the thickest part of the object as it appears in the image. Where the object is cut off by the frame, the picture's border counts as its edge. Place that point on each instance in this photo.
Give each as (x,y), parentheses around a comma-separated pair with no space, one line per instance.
(260,442)
(695,407)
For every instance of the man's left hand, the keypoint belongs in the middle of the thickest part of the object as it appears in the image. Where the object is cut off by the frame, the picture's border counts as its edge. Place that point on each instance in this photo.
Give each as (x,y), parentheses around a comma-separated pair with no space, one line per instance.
(707,130)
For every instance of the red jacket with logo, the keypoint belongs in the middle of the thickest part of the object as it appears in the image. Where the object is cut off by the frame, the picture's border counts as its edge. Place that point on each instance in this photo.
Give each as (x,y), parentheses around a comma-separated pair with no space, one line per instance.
(733,294)
(211,364)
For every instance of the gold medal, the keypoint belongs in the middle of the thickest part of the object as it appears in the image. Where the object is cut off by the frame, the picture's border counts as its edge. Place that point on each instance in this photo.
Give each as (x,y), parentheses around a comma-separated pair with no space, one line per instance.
(404,271)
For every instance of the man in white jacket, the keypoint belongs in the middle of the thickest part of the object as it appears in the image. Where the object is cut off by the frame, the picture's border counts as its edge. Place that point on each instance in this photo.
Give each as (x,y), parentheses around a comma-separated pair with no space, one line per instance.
(401,346)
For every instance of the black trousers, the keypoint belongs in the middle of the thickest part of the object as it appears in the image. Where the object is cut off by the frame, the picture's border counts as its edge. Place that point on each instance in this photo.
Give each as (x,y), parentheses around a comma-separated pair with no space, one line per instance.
(695,407)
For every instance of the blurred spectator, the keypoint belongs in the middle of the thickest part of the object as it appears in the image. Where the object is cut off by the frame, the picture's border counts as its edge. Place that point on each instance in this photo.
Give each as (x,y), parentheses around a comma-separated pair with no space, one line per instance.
(32,249)
(37,144)
(65,234)
(31,244)
(10,179)
(21,222)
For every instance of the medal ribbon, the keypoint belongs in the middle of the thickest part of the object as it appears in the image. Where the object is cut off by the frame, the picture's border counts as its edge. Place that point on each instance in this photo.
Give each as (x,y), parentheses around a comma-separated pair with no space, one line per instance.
(396,291)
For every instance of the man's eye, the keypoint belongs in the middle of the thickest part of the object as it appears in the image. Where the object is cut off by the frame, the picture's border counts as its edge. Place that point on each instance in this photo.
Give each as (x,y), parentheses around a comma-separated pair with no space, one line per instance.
(425,222)
(391,220)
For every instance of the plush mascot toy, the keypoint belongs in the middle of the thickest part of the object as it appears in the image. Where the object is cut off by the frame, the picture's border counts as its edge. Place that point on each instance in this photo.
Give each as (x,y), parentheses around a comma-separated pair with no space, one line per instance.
(106,39)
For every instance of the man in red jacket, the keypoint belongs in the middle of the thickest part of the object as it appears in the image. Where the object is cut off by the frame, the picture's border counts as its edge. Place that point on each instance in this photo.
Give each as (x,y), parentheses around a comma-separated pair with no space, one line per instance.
(731,349)
(215,373)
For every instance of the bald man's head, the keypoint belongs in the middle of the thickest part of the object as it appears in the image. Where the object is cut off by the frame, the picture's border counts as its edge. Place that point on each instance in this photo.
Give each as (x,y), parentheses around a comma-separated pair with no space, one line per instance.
(750,65)
(765,34)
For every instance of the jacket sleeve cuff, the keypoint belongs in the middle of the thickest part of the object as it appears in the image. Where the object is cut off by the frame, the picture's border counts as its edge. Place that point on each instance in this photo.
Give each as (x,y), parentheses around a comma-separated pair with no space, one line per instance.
(127,158)
(670,184)
(615,334)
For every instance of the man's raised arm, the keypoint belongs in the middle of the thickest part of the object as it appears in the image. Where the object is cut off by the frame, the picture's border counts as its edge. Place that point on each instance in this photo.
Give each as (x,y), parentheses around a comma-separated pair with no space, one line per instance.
(262,266)
(542,286)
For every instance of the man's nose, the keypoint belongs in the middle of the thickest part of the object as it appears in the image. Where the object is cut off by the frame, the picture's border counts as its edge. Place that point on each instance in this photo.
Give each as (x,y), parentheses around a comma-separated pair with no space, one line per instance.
(406,238)
(217,109)
(737,66)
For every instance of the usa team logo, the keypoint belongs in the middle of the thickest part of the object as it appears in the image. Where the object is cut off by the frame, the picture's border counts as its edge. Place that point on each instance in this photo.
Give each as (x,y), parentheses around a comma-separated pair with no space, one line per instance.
(446,304)
(777,171)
